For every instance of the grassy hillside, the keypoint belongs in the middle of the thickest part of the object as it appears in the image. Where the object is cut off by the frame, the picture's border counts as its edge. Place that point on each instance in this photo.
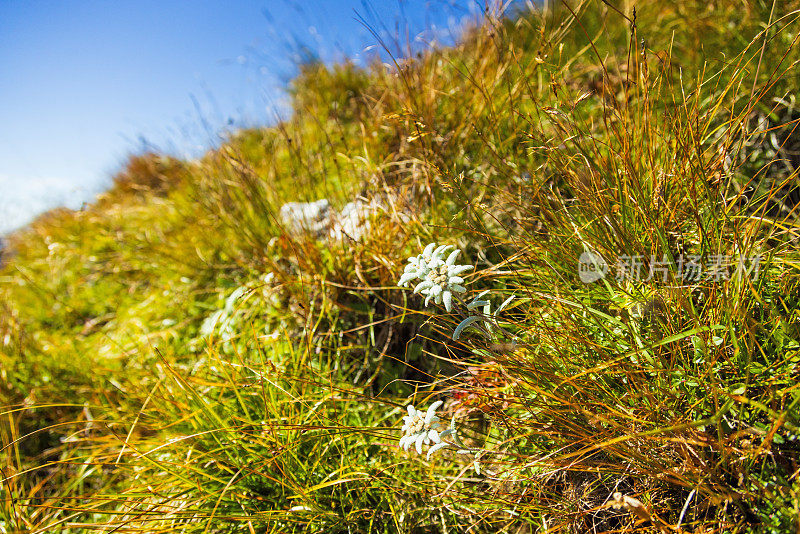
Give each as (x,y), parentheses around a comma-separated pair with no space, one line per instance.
(177,357)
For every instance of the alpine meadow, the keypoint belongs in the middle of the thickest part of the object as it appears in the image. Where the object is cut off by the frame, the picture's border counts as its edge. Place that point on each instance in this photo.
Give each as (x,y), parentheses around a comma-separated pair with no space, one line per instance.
(544,280)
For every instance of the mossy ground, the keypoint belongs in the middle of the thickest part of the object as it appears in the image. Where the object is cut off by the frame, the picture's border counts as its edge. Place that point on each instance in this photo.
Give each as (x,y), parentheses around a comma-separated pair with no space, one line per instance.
(174,359)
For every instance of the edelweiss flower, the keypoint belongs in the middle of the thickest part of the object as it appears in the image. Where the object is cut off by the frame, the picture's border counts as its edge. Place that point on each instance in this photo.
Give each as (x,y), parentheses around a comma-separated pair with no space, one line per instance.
(423,428)
(442,280)
(420,266)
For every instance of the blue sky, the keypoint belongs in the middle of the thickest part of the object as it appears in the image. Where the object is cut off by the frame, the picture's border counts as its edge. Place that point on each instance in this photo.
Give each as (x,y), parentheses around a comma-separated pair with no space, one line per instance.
(84,83)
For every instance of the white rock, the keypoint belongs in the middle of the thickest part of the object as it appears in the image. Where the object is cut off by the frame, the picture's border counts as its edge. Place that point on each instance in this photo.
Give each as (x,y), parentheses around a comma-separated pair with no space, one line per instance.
(318,218)
(353,221)
(314,217)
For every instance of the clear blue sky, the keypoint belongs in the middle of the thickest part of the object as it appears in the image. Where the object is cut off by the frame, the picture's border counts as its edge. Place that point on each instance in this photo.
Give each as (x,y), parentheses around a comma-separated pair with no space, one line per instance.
(84,83)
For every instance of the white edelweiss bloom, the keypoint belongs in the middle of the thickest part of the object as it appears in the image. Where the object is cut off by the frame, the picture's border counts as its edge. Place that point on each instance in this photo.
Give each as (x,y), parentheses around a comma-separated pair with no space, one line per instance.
(439,278)
(422,428)
(419,266)
(443,280)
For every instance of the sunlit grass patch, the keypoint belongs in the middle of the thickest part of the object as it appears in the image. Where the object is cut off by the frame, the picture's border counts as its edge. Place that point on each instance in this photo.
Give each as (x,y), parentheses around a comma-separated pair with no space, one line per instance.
(618,351)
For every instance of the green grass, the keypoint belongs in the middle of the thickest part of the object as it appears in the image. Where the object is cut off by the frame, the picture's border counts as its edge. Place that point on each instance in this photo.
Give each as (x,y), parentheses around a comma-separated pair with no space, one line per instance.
(173,359)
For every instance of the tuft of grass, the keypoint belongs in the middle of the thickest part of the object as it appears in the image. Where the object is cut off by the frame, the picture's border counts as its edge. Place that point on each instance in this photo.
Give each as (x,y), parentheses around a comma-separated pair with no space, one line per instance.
(175,358)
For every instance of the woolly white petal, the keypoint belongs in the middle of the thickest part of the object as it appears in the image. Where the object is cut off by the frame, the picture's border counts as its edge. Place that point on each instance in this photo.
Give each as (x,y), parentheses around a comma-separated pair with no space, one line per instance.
(406,278)
(434,436)
(411,410)
(432,410)
(428,249)
(458,269)
(441,249)
(436,289)
(420,440)
(455,280)
(447,298)
(452,257)
(425,284)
